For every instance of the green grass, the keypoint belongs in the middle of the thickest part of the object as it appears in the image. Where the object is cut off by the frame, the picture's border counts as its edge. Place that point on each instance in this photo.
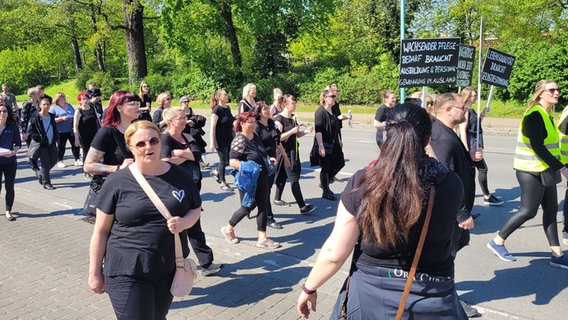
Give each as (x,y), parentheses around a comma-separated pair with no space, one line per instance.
(499,109)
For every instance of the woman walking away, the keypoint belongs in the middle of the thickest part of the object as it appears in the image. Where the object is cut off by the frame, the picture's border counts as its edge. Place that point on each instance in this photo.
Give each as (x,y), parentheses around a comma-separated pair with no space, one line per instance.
(249,157)
(327,143)
(85,124)
(181,149)
(382,229)
(289,134)
(132,252)
(468,134)
(538,171)
(64,115)
(10,143)
(43,132)
(221,134)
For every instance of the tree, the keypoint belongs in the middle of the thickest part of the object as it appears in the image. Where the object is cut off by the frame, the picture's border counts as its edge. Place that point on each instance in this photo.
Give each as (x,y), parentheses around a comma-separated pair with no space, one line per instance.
(133,12)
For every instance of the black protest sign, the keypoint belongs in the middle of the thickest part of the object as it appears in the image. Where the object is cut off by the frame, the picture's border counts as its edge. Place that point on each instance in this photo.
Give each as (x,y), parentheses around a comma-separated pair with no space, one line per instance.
(497,68)
(466,59)
(428,62)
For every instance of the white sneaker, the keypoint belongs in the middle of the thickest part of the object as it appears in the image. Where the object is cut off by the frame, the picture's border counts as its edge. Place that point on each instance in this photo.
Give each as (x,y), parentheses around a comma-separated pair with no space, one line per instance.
(60,164)
(78,163)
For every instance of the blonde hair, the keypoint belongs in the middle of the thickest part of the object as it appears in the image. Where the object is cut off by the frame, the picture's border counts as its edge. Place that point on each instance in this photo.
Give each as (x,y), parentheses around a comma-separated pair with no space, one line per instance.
(248,87)
(170,113)
(540,87)
(32,91)
(161,97)
(466,92)
(139,125)
(57,97)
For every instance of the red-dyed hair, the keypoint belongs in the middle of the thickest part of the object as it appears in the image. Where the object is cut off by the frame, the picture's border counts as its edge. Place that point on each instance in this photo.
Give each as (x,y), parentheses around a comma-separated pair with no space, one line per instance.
(82,95)
(118,98)
(243,117)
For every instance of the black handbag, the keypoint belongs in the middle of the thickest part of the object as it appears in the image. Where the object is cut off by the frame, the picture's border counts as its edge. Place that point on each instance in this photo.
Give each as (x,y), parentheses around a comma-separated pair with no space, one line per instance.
(89,207)
(33,150)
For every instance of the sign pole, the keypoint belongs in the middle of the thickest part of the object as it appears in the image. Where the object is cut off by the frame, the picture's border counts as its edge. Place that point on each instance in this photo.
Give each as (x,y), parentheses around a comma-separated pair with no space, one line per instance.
(479,66)
(402,37)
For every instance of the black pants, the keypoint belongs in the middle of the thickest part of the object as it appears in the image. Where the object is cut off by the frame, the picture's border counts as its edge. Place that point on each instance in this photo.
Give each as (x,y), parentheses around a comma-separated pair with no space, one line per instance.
(62,141)
(199,245)
(482,176)
(47,159)
(223,153)
(8,170)
(140,299)
(85,145)
(261,199)
(293,174)
(533,195)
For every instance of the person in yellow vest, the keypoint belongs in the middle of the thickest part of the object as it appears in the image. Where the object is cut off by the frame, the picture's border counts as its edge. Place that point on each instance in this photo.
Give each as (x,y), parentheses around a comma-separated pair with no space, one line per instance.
(538,171)
(563,135)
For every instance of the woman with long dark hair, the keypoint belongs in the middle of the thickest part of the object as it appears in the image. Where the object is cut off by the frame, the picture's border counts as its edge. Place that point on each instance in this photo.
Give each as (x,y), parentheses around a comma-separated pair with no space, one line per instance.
(42,130)
(9,141)
(380,218)
(538,171)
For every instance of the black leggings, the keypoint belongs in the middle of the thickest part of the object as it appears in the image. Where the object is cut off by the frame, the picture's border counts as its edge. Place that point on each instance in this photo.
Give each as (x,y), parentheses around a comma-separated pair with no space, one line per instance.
(223,153)
(261,199)
(293,174)
(62,141)
(140,299)
(86,145)
(8,170)
(533,195)
(482,176)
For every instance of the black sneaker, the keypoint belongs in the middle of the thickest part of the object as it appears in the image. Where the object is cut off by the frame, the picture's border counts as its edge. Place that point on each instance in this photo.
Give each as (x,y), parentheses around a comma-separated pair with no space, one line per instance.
(492,201)
(329,196)
(226,187)
(211,270)
(307,209)
(273,224)
(215,174)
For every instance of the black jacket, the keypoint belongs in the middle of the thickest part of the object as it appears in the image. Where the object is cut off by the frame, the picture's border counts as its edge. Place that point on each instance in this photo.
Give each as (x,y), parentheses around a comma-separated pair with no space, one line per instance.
(36,130)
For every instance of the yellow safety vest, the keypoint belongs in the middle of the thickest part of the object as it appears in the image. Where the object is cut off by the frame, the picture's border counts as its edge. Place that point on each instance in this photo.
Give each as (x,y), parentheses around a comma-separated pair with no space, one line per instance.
(525,157)
(563,138)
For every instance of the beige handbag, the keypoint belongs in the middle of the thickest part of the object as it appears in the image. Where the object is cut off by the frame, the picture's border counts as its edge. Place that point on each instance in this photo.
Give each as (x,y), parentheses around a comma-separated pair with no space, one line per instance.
(186,269)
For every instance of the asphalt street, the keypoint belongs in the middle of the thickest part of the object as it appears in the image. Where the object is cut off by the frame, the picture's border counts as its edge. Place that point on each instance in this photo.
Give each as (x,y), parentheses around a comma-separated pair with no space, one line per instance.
(44,253)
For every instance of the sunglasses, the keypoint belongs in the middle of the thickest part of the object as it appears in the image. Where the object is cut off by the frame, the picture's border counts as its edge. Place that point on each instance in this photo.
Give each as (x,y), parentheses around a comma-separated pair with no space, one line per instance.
(332,96)
(142,144)
(552,90)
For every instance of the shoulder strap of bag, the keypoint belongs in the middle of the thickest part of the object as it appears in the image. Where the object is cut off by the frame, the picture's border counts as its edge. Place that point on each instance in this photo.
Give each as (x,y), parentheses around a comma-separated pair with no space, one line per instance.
(417,253)
(159,205)
(118,144)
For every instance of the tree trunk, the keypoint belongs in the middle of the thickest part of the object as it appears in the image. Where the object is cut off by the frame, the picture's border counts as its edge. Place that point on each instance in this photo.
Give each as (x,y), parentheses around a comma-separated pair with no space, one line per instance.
(133,13)
(76,53)
(99,55)
(227,15)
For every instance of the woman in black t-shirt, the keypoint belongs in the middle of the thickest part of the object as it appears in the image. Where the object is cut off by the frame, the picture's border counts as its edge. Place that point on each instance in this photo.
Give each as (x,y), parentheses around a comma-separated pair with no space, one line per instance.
(248,155)
(132,254)
(270,135)
(221,134)
(181,149)
(382,229)
(108,152)
(146,105)
(248,104)
(85,124)
(380,122)
(289,134)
